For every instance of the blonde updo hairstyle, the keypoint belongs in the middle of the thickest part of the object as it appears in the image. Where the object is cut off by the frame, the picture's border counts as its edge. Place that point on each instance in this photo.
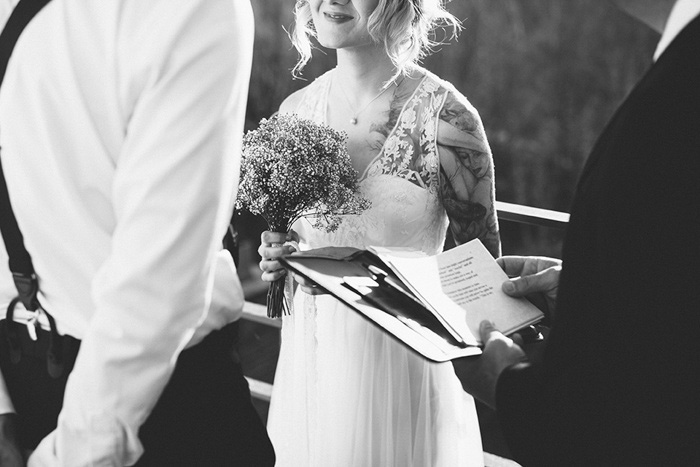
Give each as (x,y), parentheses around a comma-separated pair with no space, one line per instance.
(405,28)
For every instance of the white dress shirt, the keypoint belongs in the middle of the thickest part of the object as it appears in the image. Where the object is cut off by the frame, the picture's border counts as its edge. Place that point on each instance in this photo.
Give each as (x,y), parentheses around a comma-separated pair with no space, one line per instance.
(683,12)
(120,127)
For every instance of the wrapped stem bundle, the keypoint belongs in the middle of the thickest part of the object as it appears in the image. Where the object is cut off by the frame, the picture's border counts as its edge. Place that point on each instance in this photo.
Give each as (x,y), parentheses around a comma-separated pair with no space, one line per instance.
(292,168)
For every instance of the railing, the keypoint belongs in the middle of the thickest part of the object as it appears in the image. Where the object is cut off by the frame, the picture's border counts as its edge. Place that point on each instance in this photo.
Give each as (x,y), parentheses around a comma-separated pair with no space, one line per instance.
(258,314)
(506,212)
(529,215)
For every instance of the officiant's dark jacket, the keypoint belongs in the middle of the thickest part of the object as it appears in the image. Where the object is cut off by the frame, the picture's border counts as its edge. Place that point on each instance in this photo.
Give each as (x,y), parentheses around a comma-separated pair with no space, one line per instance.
(619,382)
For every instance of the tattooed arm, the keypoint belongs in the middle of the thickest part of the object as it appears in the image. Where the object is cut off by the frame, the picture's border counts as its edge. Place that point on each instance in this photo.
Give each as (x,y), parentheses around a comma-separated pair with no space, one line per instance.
(466,174)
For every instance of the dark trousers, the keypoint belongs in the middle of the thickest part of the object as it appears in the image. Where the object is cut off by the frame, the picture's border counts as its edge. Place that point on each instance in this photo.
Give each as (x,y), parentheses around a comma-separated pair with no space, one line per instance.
(204,417)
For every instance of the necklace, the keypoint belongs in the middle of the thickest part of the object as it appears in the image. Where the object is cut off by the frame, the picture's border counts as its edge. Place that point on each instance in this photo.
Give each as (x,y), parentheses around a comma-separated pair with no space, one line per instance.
(356,113)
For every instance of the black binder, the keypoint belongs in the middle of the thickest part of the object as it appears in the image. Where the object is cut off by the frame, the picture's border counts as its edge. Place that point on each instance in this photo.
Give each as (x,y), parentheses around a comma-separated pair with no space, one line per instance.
(361,280)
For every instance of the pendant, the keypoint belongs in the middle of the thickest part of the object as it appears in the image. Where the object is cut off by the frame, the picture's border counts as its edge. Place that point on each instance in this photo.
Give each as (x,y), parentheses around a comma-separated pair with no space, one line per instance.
(353,121)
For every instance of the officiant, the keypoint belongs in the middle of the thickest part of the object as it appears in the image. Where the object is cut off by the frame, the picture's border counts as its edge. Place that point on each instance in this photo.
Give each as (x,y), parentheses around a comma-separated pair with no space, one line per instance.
(619,380)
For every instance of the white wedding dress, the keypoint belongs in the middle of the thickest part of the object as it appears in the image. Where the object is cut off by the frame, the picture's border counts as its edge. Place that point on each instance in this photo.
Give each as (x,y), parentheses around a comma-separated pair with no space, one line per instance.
(345,393)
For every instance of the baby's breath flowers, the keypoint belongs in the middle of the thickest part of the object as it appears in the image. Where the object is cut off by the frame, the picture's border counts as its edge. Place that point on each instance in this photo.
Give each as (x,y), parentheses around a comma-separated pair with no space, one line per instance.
(293,168)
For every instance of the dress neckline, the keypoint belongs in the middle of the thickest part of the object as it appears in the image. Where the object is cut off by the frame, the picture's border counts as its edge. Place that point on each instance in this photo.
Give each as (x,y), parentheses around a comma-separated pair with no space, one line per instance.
(380,154)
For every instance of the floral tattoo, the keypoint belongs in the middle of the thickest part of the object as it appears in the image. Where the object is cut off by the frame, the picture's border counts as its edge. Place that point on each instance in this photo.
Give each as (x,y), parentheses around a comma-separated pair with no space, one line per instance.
(466,175)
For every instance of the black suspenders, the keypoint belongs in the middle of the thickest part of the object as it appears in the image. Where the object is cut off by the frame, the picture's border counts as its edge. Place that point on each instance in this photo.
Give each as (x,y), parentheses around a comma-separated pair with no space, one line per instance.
(20,261)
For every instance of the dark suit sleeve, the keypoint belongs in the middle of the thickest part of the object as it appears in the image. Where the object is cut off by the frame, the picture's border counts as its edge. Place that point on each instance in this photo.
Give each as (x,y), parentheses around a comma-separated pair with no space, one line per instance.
(518,395)
(544,419)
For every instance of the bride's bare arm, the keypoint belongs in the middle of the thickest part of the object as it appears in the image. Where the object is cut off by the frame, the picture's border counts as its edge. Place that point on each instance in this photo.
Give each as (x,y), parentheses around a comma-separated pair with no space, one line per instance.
(466,174)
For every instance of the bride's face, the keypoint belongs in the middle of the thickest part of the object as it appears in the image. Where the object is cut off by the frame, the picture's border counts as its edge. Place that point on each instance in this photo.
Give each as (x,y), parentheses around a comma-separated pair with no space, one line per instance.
(342,23)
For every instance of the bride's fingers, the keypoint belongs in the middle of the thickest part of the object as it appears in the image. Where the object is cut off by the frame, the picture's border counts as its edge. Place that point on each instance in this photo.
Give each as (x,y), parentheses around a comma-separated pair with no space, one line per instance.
(315,290)
(270,265)
(269,238)
(275,251)
(308,286)
(273,275)
(303,281)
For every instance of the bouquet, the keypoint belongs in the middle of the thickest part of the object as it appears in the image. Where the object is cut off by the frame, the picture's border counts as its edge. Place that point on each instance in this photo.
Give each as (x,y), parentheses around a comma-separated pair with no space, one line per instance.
(293,168)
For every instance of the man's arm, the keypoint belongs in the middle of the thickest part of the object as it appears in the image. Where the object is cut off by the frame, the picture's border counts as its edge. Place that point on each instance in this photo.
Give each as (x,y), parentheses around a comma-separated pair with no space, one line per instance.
(184,69)
(529,275)
(503,378)
(534,408)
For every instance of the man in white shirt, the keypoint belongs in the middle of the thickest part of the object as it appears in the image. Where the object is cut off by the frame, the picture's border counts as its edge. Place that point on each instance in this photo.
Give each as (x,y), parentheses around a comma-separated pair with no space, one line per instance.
(120,127)
(619,379)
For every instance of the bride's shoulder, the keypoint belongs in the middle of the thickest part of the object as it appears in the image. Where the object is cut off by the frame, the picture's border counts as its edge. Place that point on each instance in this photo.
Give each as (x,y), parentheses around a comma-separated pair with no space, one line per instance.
(292,102)
(455,102)
(441,85)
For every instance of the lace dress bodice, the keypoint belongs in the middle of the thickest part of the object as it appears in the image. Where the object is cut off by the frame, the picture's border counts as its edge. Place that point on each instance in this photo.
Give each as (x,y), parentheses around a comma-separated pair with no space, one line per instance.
(401,181)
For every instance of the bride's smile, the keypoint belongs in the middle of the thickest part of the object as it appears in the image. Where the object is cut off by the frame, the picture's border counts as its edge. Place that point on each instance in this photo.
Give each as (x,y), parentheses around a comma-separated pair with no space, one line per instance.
(342,24)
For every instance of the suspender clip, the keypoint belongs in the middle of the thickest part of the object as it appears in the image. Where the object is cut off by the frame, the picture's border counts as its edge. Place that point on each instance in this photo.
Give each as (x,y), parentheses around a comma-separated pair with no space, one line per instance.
(27,287)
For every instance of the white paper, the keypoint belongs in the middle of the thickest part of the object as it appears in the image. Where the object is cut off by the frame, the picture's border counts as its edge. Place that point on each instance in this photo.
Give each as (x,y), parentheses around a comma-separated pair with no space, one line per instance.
(463,286)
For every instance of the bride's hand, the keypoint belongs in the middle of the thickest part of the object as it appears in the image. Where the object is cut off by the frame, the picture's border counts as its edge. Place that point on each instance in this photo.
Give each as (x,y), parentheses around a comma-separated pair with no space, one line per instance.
(334,251)
(309,287)
(272,246)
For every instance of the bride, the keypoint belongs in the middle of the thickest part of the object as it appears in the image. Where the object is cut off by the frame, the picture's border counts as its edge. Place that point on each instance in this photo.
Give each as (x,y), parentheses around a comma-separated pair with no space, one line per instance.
(345,393)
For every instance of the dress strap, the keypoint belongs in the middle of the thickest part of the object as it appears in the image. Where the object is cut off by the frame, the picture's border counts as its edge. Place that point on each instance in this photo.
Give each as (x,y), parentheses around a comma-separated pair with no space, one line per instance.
(410,150)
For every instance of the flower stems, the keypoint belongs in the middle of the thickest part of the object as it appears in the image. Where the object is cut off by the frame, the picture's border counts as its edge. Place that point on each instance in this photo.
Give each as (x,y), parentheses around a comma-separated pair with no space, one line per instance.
(276,305)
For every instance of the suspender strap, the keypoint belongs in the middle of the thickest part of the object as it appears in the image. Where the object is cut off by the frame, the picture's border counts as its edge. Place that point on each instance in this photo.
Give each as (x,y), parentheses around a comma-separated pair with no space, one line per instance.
(20,261)
(20,17)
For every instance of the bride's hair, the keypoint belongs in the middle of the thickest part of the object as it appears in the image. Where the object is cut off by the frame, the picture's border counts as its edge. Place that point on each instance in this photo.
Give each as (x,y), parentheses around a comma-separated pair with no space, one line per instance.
(405,27)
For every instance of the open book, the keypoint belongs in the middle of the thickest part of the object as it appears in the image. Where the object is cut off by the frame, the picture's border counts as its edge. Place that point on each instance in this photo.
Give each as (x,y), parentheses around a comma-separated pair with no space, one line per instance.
(433,304)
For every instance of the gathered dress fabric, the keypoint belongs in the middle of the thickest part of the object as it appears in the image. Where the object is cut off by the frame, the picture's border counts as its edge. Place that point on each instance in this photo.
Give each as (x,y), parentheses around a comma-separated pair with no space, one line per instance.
(345,392)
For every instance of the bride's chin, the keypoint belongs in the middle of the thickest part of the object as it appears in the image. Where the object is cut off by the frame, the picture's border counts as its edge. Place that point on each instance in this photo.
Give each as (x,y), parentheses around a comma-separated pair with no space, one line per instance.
(338,43)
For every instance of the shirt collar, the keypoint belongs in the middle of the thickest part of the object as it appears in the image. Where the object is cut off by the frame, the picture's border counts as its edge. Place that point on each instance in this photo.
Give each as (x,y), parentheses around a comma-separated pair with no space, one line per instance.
(683,12)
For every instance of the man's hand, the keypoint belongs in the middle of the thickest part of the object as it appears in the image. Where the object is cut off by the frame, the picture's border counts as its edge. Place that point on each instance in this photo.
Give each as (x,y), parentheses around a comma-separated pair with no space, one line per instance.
(10,453)
(479,375)
(532,275)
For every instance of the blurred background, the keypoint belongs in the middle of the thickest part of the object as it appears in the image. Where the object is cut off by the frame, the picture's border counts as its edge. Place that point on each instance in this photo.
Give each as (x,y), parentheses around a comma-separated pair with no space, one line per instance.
(545,76)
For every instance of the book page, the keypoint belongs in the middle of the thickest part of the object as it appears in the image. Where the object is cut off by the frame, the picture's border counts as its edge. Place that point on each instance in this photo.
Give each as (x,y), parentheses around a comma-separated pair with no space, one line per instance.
(469,274)
(464,286)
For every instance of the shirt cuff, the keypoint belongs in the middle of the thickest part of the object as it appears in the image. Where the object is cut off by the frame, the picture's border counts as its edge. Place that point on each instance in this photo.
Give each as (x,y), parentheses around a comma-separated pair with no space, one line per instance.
(103,440)
(227,298)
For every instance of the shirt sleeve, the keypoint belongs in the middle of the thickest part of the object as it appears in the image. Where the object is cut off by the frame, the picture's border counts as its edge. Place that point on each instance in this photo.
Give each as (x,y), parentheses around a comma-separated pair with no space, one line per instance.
(174,186)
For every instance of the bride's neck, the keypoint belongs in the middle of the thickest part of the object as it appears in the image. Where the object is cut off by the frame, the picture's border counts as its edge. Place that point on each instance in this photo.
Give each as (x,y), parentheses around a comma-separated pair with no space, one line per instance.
(363,73)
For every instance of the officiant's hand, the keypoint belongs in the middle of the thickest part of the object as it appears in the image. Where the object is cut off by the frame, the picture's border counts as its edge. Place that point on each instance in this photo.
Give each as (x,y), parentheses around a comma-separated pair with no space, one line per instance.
(272,246)
(479,375)
(534,277)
